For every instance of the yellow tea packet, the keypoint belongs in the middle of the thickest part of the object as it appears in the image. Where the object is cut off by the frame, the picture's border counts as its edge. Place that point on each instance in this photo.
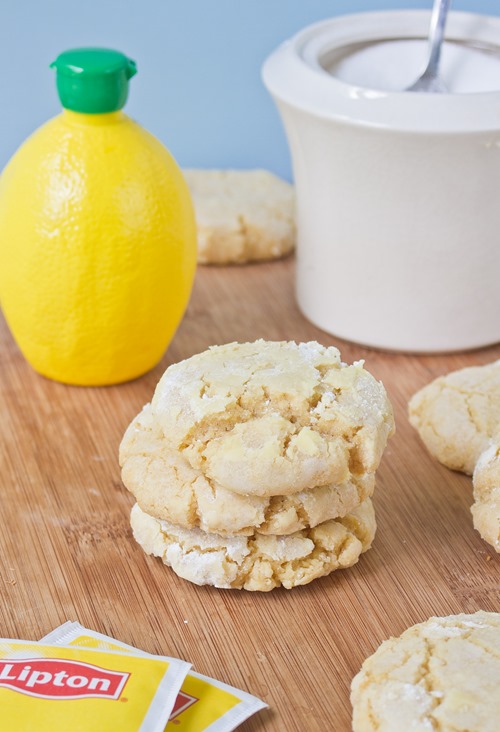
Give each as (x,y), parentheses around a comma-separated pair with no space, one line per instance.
(202,705)
(47,687)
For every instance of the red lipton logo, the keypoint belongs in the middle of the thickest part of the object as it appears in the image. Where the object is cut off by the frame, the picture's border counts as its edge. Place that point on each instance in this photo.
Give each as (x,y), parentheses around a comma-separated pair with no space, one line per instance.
(182,702)
(59,678)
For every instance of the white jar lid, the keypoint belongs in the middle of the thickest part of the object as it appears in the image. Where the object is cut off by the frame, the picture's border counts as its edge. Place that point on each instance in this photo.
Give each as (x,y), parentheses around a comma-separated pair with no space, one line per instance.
(297,74)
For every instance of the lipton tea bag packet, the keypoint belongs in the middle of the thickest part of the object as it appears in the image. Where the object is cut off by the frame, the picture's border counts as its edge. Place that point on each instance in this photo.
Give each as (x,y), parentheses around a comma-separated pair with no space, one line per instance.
(49,687)
(202,705)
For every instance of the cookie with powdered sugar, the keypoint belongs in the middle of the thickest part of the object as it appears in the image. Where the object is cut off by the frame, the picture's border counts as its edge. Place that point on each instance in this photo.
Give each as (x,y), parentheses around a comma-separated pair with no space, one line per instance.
(258,562)
(458,418)
(442,674)
(273,418)
(168,488)
(242,215)
(456,415)
(486,482)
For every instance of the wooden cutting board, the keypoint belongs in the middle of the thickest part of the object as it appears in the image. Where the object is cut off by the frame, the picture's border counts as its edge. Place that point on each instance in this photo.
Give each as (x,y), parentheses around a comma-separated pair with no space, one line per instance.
(66,550)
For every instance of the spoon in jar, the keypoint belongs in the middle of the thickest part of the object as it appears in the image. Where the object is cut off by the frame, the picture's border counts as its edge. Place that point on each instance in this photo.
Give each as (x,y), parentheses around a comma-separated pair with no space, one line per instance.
(429,80)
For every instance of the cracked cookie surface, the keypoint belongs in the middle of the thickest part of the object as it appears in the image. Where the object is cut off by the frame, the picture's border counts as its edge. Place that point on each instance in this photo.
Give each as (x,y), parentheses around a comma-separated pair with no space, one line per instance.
(274,418)
(167,487)
(486,507)
(457,414)
(258,562)
(242,215)
(442,674)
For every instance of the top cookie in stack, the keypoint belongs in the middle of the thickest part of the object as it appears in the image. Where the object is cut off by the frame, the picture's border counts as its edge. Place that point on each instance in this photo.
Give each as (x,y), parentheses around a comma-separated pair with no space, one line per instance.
(261,458)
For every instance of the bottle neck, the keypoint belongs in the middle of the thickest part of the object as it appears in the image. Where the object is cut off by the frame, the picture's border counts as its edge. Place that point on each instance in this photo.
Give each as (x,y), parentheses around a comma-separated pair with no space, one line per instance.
(96,120)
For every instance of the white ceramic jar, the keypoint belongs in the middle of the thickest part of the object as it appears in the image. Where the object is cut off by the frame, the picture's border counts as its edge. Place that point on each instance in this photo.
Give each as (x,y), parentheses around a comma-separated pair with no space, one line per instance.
(398,193)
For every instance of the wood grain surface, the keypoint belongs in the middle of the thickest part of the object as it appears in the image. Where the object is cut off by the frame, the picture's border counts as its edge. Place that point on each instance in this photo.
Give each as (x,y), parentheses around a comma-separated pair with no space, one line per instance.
(66,550)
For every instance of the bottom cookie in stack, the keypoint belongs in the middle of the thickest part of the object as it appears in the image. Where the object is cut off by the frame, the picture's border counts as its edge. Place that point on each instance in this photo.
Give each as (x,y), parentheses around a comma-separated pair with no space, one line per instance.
(260,561)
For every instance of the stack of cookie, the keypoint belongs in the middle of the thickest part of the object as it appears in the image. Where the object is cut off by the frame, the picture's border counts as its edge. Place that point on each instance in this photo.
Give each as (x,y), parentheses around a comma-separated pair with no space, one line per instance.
(254,464)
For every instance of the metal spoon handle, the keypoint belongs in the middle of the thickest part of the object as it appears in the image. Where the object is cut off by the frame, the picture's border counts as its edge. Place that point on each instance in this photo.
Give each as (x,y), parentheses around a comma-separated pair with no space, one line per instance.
(436,33)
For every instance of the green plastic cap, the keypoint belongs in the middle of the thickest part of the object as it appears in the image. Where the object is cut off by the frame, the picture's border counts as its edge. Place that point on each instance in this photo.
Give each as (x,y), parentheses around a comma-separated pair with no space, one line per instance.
(93,80)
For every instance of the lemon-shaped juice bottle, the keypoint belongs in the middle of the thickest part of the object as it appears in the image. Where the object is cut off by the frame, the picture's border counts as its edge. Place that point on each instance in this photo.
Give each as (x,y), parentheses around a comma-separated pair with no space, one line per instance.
(97,233)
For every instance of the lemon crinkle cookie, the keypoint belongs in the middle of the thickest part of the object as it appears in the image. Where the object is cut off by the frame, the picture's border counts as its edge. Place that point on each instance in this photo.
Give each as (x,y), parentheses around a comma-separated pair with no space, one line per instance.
(443,674)
(486,482)
(167,487)
(241,215)
(458,418)
(258,562)
(457,414)
(274,418)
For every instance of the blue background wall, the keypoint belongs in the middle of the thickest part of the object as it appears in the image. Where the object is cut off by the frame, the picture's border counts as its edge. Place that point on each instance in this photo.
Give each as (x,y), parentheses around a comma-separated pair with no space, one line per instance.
(198,88)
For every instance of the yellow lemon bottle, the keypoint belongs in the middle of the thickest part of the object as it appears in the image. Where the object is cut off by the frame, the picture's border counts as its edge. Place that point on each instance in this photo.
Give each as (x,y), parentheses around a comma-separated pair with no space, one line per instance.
(97,233)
